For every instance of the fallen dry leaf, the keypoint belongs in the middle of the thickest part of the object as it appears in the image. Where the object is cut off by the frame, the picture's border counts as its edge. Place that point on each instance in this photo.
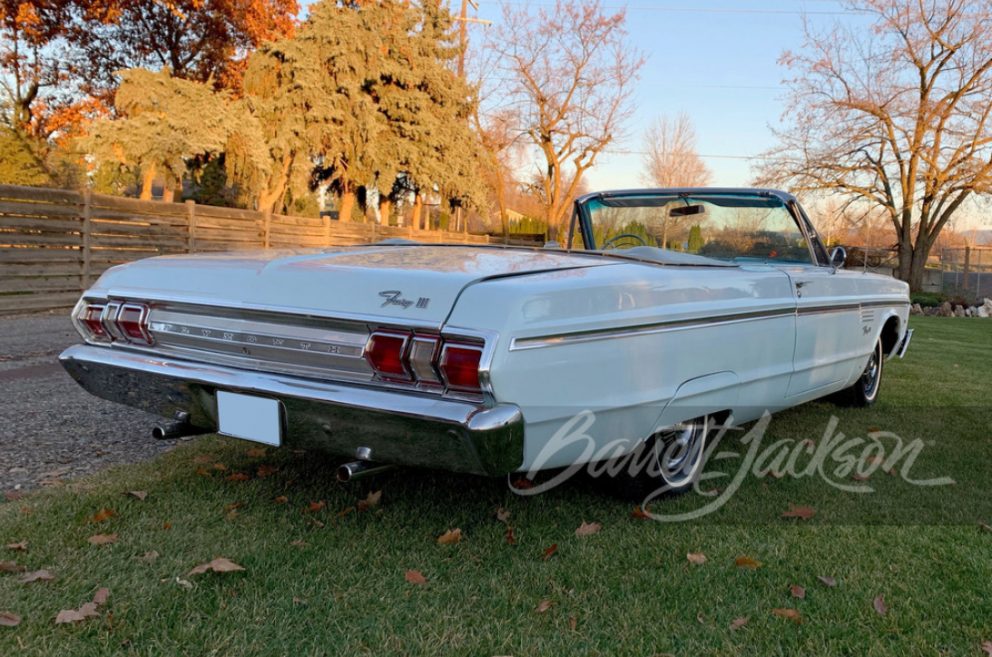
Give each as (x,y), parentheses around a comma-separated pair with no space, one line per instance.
(985,527)
(232,515)
(203,459)
(282,499)
(299,601)
(738,623)
(10,567)
(13,495)
(140,494)
(827,581)
(101,539)
(102,515)
(38,575)
(298,543)
(773,475)
(167,526)
(748,562)
(218,565)
(266,470)
(69,616)
(342,514)
(986,647)
(879,605)
(861,477)
(151,557)
(803,512)
(588,528)
(642,514)
(572,622)
(315,507)
(318,523)
(414,577)
(798,592)
(450,537)
(219,466)
(502,515)
(550,552)
(510,540)
(523,483)
(101,597)
(700,618)
(697,558)
(7,619)
(871,460)
(256,452)
(23,545)
(789,614)
(232,507)
(237,476)
(370,501)
(201,471)
(543,606)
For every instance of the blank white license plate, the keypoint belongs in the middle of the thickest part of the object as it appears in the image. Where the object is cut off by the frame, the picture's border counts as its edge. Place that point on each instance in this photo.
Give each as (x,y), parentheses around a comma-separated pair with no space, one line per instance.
(252,418)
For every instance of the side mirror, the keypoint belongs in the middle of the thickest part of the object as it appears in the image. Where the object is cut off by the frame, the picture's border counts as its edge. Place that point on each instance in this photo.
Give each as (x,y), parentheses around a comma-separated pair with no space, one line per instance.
(838,256)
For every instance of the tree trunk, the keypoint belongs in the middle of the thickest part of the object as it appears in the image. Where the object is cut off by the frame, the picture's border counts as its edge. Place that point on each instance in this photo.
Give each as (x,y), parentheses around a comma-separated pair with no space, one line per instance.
(347,205)
(418,208)
(385,209)
(147,178)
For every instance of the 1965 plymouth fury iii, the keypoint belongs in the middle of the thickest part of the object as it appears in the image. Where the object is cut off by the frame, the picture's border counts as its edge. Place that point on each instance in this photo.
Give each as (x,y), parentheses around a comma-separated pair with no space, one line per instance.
(663,310)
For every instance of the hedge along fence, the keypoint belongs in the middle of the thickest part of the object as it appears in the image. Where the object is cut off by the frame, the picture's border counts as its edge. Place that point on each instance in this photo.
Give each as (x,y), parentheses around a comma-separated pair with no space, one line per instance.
(55,243)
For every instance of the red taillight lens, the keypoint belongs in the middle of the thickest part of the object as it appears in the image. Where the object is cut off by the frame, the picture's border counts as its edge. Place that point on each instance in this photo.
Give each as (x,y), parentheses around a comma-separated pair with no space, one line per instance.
(91,318)
(460,366)
(132,321)
(386,353)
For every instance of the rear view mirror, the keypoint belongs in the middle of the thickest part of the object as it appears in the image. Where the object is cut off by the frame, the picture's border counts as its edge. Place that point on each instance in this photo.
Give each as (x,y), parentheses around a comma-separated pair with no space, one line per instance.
(686,210)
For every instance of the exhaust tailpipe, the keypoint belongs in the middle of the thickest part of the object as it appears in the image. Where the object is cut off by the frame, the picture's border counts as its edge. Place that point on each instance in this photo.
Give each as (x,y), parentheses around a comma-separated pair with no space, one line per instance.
(357,469)
(178,428)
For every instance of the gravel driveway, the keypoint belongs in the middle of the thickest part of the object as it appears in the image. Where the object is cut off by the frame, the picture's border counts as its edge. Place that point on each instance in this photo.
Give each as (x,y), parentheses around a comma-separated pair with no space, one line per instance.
(50,428)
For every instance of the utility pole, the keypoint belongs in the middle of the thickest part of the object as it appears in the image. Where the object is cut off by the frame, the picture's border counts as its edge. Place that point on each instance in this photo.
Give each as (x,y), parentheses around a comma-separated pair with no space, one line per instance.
(463,31)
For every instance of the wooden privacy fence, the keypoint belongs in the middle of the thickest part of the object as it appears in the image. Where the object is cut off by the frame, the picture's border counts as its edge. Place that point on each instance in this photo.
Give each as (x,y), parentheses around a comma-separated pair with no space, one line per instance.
(55,243)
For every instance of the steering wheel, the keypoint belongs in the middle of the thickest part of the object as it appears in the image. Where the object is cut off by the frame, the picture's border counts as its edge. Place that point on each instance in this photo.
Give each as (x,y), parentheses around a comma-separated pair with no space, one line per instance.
(609,244)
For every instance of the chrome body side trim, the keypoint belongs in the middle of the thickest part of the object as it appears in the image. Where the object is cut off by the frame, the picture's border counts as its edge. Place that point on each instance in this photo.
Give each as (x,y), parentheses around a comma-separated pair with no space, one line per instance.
(538,342)
(405,428)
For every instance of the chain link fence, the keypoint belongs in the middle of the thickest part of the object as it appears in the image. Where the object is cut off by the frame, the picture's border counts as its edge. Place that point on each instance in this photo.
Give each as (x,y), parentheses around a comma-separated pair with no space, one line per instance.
(967,271)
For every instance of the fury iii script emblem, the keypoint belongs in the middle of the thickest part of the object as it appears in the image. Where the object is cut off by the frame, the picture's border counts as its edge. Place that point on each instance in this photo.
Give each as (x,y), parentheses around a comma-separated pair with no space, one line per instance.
(395,298)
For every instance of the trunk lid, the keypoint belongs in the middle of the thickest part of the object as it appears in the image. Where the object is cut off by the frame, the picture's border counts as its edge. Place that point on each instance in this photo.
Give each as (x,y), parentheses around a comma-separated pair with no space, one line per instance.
(418,282)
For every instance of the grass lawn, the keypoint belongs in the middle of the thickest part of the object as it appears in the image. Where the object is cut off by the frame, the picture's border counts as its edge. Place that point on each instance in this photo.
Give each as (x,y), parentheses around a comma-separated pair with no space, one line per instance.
(317,583)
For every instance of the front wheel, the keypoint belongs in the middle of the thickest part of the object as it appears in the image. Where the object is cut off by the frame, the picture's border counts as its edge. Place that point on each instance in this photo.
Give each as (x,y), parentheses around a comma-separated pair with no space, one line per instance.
(864,392)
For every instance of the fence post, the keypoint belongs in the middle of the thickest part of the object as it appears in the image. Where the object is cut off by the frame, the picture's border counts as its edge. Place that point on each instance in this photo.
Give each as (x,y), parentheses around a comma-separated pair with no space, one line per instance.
(327,230)
(191,226)
(266,227)
(967,265)
(87,237)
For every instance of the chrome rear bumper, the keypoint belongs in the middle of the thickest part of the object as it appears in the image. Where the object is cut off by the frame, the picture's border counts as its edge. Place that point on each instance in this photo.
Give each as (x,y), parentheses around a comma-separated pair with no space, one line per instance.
(399,428)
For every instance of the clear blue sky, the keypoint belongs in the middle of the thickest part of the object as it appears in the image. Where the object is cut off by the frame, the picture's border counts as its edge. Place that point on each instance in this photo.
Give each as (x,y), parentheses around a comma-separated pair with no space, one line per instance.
(715,59)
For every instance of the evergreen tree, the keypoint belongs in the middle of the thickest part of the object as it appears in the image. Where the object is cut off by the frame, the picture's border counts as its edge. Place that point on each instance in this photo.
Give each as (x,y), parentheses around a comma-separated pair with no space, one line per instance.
(696,242)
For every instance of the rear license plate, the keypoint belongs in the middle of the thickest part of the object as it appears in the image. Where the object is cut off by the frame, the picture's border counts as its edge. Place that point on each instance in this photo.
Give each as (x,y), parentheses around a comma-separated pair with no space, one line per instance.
(251,418)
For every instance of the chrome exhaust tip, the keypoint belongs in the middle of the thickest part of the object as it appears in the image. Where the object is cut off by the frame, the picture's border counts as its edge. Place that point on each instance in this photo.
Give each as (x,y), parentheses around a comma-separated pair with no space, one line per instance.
(178,428)
(357,469)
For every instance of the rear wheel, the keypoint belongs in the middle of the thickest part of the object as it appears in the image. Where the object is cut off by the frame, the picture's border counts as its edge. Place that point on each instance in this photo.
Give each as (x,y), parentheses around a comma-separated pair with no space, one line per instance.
(671,463)
(864,392)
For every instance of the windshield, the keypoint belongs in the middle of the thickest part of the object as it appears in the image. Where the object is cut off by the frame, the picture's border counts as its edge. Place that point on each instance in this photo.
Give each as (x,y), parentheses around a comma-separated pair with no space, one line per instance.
(727,227)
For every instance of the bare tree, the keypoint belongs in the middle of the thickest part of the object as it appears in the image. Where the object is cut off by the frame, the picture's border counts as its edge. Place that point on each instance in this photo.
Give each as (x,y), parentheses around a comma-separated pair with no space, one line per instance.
(569,72)
(671,159)
(895,114)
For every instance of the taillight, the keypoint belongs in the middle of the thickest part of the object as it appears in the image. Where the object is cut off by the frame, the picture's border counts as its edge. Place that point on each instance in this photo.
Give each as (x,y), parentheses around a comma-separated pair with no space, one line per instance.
(459,366)
(114,321)
(425,360)
(386,353)
(132,320)
(91,319)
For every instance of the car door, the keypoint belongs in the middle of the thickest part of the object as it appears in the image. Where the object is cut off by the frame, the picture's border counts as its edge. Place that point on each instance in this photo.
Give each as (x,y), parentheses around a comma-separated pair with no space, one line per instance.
(828,327)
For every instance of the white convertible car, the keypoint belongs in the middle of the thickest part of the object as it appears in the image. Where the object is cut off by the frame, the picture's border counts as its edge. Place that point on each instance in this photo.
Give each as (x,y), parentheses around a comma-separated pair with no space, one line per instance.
(664,310)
